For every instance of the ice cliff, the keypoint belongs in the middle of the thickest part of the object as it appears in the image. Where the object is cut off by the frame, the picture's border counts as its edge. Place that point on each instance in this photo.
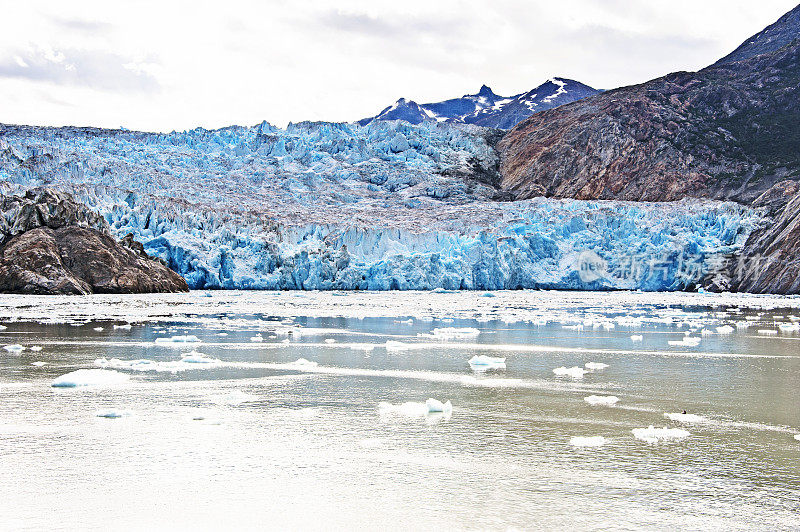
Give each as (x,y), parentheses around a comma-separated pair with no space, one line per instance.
(386,206)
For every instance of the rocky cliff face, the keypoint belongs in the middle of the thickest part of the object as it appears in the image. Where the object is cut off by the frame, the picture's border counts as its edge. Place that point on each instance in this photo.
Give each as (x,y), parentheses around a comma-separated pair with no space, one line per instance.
(49,244)
(770,261)
(726,132)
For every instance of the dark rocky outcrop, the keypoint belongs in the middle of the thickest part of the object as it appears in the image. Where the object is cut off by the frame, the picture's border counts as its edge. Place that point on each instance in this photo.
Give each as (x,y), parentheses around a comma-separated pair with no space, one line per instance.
(50,244)
(771,39)
(770,260)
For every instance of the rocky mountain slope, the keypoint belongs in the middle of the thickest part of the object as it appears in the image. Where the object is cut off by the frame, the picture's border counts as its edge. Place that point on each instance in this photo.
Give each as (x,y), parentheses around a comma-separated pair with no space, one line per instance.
(49,244)
(487,108)
(729,132)
(771,39)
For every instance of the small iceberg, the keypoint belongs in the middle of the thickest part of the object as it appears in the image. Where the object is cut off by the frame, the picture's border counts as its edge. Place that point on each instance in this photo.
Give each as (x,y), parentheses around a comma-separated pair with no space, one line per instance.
(438,406)
(485,363)
(36,348)
(725,329)
(98,329)
(688,341)
(89,377)
(38,364)
(637,338)
(655,435)
(574,372)
(194,357)
(257,338)
(14,348)
(601,400)
(178,340)
(587,441)
(330,341)
(797,437)
(124,327)
(595,366)
(113,413)
(767,332)
(685,418)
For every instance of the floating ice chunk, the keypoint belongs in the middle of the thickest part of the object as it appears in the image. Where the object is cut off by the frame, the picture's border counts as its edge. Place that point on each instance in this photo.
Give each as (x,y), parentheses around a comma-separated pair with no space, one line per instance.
(14,348)
(188,339)
(455,333)
(3,327)
(438,406)
(484,363)
(330,341)
(194,357)
(394,345)
(797,437)
(742,324)
(89,377)
(487,294)
(286,341)
(578,327)
(725,329)
(575,372)
(601,400)
(767,332)
(688,341)
(654,435)
(222,334)
(124,327)
(38,364)
(257,338)
(431,407)
(789,327)
(98,329)
(706,332)
(595,366)
(685,418)
(637,338)
(113,413)
(587,441)
(35,348)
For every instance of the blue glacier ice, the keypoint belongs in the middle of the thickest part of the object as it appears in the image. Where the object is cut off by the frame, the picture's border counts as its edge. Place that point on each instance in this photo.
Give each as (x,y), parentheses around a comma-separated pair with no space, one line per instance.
(389,205)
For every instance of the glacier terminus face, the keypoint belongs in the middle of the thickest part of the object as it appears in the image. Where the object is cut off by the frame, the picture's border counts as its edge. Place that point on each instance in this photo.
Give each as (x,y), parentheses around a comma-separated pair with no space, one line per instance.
(385,206)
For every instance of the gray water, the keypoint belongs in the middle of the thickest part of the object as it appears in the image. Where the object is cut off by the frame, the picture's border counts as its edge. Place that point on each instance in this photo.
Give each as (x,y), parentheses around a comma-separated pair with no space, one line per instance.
(255,439)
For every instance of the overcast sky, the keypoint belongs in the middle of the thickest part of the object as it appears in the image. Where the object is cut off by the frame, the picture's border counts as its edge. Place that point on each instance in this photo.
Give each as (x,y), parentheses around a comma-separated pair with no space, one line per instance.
(163,65)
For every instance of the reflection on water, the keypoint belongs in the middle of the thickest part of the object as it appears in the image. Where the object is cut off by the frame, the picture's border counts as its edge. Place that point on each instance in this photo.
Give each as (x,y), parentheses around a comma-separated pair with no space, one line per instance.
(311,410)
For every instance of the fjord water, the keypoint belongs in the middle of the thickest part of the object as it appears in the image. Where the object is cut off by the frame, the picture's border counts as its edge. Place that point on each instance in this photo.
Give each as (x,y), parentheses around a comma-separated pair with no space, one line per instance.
(251,438)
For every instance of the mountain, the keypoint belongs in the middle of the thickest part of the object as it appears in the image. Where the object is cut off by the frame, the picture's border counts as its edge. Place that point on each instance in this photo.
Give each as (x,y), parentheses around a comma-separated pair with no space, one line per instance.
(728,131)
(773,38)
(485,108)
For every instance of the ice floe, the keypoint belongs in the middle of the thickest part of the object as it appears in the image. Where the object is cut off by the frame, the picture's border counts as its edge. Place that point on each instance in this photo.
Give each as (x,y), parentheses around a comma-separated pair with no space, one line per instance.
(257,338)
(797,437)
(394,345)
(637,338)
(655,435)
(595,366)
(725,329)
(575,372)
(688,341)
(35,348)
(98,329)
(38,363)
(587,441)
(415,409)
(14,348)
(124,327)
(601,400)
(89,377)
(685,418)
(484,363)
(188,361)
(113,413)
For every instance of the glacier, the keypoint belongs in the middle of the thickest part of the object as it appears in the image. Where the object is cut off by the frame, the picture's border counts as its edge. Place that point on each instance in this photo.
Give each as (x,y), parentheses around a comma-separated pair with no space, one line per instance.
(386,206)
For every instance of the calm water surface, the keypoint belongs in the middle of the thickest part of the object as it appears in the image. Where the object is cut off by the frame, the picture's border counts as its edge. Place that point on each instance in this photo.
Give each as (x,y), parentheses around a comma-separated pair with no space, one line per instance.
(252,438)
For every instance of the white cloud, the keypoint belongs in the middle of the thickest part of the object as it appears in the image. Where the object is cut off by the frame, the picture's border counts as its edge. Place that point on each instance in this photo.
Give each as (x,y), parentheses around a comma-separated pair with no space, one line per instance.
(173,65)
